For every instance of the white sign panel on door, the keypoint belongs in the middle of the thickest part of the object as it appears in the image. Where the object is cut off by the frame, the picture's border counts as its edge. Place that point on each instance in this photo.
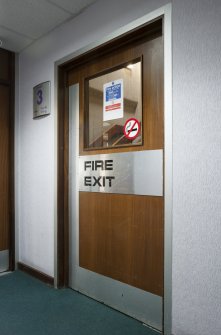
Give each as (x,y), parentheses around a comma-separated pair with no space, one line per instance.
(113,100)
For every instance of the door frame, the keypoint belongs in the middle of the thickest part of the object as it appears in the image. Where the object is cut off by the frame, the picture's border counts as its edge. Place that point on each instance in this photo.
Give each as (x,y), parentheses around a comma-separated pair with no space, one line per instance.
(10,82)
(61,157)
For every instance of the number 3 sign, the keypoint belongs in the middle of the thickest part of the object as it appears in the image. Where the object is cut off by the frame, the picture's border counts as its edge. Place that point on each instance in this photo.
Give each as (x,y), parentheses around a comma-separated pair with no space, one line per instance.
(41,100)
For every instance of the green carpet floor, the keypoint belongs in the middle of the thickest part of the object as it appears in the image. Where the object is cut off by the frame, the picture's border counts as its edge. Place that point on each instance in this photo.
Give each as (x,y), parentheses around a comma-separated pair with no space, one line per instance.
(28,306)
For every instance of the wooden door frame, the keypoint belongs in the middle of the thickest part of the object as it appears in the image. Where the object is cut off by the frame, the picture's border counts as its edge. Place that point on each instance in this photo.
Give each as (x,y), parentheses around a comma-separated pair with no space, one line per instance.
(134,29)
(11,84)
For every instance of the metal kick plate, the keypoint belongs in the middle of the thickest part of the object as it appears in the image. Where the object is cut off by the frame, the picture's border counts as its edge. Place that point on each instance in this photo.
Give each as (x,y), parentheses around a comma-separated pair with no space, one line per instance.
(137,172)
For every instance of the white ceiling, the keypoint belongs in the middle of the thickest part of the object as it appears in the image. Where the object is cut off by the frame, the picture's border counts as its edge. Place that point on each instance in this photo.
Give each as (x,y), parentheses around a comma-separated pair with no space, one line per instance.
(24,21)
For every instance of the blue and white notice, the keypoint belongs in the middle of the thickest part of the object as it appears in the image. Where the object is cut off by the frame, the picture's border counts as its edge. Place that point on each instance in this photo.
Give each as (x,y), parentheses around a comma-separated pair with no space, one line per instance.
(113,100)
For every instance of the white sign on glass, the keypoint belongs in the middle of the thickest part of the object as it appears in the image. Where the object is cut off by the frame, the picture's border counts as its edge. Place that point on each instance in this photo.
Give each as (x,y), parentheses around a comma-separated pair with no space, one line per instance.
(41,99)
(113,100)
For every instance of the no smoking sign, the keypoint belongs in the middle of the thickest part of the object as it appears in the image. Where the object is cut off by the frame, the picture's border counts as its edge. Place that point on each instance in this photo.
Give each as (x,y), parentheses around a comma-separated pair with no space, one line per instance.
(131,128)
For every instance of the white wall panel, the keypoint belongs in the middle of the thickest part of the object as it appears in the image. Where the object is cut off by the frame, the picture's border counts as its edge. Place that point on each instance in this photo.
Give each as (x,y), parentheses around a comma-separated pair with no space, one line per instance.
(197,162)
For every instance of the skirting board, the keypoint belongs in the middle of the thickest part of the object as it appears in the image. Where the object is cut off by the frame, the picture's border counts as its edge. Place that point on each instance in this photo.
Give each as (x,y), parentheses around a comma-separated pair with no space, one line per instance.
(37,274)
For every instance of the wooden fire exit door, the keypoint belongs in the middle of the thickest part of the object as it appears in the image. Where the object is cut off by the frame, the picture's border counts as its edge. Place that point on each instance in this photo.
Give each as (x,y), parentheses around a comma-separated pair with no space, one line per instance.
(116,142)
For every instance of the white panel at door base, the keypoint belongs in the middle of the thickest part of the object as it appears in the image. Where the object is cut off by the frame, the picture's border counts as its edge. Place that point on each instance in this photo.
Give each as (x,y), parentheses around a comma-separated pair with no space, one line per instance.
(141,305)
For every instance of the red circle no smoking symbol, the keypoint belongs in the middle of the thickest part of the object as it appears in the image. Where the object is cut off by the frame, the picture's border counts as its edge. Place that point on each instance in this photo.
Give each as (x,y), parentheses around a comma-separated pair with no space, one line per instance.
(131,128)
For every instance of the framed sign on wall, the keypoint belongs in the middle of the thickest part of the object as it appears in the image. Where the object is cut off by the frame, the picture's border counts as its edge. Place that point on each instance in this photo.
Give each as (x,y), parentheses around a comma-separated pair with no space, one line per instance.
(42,99)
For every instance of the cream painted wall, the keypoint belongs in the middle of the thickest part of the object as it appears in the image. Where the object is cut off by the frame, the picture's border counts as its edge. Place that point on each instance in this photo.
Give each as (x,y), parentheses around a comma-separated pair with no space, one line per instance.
(197,172)
(196,149)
